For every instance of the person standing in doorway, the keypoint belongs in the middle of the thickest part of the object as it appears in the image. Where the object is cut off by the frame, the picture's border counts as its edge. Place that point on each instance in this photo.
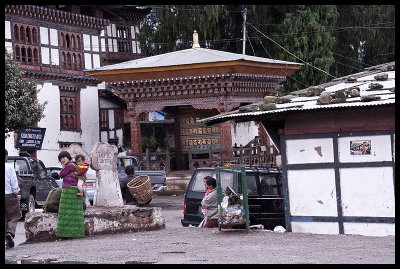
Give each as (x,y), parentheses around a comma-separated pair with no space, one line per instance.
(11,203)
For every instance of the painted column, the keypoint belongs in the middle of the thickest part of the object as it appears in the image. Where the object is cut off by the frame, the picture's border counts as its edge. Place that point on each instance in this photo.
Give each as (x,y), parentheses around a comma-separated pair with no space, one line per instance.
(136,134)
(226,139)
(179,164)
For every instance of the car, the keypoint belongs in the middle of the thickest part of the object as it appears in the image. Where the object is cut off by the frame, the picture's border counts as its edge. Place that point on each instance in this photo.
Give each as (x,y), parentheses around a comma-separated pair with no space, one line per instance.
(90,183)
(34,180)
(264,188)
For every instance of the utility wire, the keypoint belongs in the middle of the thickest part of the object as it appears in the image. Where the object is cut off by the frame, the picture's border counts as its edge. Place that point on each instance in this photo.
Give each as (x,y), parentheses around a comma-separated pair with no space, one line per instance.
(359,69)
(348,58)
(254,54)
(269,55)
(290,52)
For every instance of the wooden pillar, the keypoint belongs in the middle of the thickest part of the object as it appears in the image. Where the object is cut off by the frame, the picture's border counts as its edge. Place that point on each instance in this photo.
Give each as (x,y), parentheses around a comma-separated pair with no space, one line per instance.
(226,139)
(179,165)
(136,134)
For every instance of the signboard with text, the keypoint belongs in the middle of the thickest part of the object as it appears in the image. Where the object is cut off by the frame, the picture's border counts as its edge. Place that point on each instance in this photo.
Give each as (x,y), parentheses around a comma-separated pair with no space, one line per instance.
(30,138)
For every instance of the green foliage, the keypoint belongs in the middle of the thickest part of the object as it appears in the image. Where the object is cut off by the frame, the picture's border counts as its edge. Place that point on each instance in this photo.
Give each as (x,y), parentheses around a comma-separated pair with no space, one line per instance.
(321,35)
(374,25)
(21,106)
(165,31)
(308,39)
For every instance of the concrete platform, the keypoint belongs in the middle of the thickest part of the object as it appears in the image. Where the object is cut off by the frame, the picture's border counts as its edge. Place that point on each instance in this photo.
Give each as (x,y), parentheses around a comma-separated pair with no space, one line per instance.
(41,227)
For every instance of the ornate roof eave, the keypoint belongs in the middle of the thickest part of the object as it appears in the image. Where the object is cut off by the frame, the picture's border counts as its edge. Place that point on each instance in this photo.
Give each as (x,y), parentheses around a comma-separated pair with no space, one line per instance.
(56,16)
(203,69)
(39,76)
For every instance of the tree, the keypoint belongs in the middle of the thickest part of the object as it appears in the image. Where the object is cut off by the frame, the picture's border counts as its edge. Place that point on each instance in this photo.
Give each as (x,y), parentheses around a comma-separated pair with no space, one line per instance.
(306,36)
(170,28)
(365,37)
(21,106)
(326,36)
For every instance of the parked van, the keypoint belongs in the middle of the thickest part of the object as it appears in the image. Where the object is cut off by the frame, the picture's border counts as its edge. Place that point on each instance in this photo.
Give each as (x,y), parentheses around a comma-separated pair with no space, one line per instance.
(264,188)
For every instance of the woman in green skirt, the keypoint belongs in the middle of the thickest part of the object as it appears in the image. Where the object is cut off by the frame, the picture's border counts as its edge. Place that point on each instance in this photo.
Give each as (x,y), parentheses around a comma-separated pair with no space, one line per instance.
(70,213)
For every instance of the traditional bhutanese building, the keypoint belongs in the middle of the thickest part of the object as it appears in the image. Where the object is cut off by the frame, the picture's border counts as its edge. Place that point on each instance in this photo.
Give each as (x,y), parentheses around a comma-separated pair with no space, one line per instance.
(192,84)
(53,44)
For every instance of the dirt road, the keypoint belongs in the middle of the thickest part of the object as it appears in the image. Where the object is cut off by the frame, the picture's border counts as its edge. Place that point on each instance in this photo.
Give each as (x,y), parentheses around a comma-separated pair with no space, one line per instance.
(176,244)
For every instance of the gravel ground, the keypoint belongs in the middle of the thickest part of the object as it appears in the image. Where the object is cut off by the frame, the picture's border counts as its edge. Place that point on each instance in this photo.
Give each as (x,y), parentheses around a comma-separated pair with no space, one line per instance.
(176,244)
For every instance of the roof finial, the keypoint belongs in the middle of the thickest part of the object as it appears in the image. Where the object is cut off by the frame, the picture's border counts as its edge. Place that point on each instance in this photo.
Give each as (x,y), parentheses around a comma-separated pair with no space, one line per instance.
(195,40)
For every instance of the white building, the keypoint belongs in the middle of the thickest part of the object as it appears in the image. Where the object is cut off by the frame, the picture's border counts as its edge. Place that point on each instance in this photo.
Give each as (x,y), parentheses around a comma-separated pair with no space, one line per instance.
(338,157)
(53,44)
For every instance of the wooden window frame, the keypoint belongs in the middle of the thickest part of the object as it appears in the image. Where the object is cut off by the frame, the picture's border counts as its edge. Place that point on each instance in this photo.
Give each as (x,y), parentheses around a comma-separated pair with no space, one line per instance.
(119,118)
(104,119)
(26,46)
(71,50)
(70,110)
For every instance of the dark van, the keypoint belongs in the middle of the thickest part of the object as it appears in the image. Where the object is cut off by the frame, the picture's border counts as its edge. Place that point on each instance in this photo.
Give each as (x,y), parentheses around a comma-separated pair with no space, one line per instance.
(264,188)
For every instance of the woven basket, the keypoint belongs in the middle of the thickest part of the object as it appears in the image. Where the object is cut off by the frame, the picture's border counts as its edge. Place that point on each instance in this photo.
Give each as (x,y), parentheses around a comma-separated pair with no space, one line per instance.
(140,188)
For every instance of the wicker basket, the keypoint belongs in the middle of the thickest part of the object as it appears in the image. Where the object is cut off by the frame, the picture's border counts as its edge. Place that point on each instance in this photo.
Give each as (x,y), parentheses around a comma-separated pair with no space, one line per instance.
(140,188)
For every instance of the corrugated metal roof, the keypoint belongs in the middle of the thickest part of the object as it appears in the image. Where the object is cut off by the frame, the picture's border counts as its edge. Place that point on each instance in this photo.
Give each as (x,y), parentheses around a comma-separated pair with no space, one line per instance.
(301,103)
(188,56)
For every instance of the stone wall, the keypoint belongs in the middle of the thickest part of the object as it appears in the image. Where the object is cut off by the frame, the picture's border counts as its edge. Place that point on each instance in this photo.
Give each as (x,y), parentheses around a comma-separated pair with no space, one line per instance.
(41,226)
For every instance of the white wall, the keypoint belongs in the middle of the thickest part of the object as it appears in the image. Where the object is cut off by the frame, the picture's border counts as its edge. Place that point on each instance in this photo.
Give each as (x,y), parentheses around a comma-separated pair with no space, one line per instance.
(120,136)
(7,29)
(44,35)
(53,37)
(244,132)
(45,53)
(103,44)
(9,47)
(365,191)
(88,61)
(96,60)
(86,42)
(110,46)
(89,117)
(55,58)
(312,192)
(50,147)
(104,136)
(380,149)
(370,229)
(95,43)
(315,227)
(89,123)
(310,151)
(111,123)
